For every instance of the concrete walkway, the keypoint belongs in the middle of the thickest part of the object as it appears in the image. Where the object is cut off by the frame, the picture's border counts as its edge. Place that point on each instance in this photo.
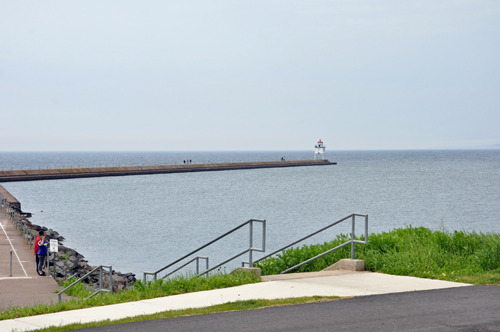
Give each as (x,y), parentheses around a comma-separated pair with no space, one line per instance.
(331,283)
(25,287)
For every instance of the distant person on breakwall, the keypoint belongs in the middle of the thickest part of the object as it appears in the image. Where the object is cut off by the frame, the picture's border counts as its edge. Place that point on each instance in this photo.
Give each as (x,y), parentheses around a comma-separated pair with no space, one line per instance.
(36,248)
(42,254)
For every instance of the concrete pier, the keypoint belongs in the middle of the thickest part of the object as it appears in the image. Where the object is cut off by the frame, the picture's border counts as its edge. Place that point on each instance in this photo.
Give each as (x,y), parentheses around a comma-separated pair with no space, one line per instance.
(10,199)
(71,173)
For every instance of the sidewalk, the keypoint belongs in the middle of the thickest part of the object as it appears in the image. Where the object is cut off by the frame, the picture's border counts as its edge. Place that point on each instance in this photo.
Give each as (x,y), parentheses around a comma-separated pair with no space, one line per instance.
(25,287)
(331,283)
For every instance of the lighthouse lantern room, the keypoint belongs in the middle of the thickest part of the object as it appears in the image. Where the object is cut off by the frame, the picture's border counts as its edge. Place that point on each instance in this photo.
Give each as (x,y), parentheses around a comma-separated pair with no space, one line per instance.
(319,151)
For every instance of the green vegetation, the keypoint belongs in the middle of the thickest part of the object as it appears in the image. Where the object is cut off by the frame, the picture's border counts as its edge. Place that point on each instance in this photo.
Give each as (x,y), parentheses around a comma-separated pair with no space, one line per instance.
(458,256)
(230,306)
(77,290)
(293,256)
(420,252)
(140,291)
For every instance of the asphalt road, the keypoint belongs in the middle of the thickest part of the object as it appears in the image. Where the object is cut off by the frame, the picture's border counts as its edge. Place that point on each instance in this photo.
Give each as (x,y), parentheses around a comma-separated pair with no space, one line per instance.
(475,308)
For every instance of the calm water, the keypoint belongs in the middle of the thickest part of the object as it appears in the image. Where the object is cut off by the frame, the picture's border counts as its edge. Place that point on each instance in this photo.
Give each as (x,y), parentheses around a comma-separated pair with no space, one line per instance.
(141,223)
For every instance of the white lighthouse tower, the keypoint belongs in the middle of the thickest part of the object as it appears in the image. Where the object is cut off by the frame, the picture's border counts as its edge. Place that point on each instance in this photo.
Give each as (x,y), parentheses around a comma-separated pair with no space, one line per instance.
(319,151)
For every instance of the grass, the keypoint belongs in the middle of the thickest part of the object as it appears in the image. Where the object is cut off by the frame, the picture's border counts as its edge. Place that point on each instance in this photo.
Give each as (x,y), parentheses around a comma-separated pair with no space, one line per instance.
(230,306)
(140,291)
(454,256)
(420,252)
(294,256)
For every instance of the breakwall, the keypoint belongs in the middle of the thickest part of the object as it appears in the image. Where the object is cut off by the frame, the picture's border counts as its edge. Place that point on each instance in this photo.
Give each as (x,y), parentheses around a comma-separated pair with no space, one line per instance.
(9,199)
(71,173)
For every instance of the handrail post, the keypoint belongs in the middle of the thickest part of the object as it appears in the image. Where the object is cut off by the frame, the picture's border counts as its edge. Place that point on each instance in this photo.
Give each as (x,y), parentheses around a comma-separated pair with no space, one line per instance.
(54,264)
(250,263)
(110,279)
(100,278)
(10,275)
(352,236)
(264,235)
(366,229)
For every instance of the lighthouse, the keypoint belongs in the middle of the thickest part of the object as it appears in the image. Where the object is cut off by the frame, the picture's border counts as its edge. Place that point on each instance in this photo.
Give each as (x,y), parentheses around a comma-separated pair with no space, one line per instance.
(319,151)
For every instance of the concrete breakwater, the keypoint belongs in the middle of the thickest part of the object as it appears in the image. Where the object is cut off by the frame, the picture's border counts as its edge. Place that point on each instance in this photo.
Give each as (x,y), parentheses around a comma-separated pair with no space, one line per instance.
(67,262)
(11,200)
(86,172)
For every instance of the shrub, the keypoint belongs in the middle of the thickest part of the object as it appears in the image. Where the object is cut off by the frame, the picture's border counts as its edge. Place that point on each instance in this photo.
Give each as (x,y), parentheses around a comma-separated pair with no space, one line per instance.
(415,251)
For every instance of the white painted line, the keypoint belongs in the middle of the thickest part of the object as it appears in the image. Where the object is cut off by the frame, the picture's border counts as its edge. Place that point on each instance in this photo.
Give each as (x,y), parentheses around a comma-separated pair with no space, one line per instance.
(14,250)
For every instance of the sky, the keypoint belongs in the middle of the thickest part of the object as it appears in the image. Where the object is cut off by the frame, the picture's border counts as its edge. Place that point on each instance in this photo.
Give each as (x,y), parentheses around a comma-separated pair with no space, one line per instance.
(249,75)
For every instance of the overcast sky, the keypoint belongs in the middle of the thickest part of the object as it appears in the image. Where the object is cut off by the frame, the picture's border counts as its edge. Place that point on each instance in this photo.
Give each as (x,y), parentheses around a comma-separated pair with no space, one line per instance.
(249,75)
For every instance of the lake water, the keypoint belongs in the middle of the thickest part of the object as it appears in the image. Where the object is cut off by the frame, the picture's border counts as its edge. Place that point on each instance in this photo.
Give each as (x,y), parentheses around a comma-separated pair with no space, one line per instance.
(141,223)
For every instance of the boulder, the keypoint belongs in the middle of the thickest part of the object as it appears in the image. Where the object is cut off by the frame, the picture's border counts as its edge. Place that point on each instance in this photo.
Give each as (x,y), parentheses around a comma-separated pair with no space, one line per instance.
(72,262)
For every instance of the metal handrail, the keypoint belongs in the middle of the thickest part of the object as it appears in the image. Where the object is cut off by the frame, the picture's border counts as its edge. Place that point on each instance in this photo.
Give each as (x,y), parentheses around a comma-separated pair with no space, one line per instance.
(352,241)
(100,290)
(250,250)
(197,259)
(228,260)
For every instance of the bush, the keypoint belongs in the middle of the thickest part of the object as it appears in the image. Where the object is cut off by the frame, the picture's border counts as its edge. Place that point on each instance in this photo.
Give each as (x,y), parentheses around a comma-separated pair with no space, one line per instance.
(411,251)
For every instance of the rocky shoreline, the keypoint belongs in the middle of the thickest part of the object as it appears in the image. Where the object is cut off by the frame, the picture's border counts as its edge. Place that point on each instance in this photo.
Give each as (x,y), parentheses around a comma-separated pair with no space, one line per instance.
(67,262)
(70,263)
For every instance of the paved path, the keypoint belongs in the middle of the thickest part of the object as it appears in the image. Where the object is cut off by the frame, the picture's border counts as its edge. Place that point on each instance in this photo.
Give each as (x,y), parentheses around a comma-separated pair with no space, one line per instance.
(25,287)
(340,283)
(454,309)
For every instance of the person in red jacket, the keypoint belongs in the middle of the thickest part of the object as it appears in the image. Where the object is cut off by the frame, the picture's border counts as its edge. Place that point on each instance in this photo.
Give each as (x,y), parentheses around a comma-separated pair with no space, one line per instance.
(36,249)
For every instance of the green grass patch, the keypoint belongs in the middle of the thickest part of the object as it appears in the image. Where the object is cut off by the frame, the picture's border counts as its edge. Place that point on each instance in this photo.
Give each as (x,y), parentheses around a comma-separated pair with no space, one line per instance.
(140,291)
(77,290)
(455,256)
(230,306)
